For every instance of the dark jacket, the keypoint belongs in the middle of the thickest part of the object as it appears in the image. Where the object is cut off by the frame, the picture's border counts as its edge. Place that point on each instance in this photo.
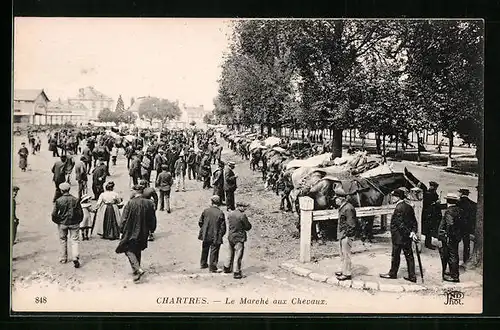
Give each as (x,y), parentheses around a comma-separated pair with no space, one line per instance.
(403,222)
(158,161)
(191,159)
(218,178)
(180,167)
(212,225)
(452,225)
(469,209)
(59,170)
(238,225)
(431,212)
(150,193)
(347,221)
(67,210)
(164,181)
(138,219)
(99,175)
(229,180)
(135,167)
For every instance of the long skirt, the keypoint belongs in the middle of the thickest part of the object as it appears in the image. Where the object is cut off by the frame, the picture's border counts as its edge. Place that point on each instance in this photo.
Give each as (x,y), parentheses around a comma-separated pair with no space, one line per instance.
(106,221)
(23,162)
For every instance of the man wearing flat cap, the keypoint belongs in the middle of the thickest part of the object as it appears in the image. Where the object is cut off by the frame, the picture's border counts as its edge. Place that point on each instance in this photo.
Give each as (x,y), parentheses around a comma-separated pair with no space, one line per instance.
(218,181)
(212,225)
(431,214)
(164,183)
(450,231)
(469,209)
(403,232)
(346,231)
(230,185)
(238,225)
(99,175)
(68,214)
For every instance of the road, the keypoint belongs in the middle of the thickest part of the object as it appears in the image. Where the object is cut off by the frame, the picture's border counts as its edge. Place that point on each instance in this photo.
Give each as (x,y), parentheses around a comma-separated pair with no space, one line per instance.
(104,280)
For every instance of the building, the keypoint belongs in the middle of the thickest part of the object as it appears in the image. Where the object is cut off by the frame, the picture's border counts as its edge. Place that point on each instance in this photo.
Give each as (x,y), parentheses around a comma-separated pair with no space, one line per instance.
(30,106)
(93,100)
(193,114)
(62,112)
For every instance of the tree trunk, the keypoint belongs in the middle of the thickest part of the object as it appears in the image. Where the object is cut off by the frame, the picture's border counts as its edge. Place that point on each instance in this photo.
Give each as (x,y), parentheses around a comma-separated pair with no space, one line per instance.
(418,147)
(476,259)
(336,144)
(378,143)
(383,149)
(363,138)
(303,137)
(261,129)
(397,142)
(450,147)
(350,138)
(269,130)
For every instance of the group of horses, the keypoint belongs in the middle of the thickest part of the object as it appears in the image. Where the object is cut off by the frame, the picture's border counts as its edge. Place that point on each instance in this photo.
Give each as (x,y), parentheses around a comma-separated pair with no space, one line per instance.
(316,174)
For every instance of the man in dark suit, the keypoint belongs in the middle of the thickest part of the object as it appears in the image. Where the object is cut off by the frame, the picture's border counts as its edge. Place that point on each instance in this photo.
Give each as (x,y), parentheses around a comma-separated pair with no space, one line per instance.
(346,230)
(212,228)
(403,231)
(59,171)
(451,231)
(164,183)
(431,214)
(238,226)
(469,209)
(99,175)
(230,185)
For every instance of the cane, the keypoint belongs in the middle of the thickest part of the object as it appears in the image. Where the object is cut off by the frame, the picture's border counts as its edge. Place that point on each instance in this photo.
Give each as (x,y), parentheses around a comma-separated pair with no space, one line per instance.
(419,261)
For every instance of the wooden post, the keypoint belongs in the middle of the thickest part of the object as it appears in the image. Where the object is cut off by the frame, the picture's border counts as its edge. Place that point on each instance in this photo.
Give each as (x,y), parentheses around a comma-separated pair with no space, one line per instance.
(306,209)
(416,196)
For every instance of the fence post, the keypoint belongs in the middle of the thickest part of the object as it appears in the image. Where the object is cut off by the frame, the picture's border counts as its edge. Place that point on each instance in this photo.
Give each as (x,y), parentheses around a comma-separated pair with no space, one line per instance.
(417,197)
(306,209)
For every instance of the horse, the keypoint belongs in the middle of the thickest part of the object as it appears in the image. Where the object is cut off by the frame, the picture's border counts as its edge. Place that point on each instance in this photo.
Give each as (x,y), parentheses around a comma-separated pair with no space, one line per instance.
(361,192)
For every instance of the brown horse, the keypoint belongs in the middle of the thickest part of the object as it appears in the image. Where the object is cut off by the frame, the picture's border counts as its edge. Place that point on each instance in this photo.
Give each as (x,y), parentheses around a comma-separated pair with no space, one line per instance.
(361,192)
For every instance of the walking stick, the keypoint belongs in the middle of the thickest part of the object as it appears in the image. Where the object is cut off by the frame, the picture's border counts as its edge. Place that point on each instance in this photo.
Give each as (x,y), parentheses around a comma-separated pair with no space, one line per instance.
(419,262)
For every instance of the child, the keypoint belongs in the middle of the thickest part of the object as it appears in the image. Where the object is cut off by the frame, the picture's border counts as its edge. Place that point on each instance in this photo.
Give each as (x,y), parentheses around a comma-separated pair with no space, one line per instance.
(114,154)
(85,225)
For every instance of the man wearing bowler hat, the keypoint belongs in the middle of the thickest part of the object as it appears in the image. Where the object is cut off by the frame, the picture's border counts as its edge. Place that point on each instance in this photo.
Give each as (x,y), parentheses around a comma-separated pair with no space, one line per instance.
(451,229)
(238,225)
(469,209)
(218,181)
(431,214)
(403,232)
(212,228)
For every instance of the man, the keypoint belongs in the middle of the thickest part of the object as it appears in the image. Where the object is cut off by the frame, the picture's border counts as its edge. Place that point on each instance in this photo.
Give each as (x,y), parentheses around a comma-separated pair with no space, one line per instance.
(15,220)
(70,164)
(180,173)
(164,183)
(81,176)
(146,167)
(158,162)
(206,171)
(218,181)
(346,231)
(87,154)
(212,225)
(135,169)
(451,229)
(138,220)
(99,175)
(403,231)
(230,185)
(469,209)
(191,164)
(59,171)
(238,225)
(284,188)
(431,214)
(68,214)
(149,193)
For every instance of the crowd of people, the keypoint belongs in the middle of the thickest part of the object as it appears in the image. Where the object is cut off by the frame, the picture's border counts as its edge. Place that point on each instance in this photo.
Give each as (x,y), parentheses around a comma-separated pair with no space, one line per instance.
(170,155)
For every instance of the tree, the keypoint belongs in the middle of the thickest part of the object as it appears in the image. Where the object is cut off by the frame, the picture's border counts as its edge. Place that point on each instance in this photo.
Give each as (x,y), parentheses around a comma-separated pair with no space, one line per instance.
(147,109)
(107,116)
(208,118)
(167,110)
(128,117)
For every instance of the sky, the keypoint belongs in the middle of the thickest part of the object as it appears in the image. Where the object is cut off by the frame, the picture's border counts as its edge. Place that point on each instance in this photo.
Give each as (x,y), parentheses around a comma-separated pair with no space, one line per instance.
(177,59)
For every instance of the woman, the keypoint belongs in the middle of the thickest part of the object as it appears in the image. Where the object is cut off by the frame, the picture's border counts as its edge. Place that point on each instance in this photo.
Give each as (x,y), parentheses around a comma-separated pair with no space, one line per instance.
(107,213)
(23,157)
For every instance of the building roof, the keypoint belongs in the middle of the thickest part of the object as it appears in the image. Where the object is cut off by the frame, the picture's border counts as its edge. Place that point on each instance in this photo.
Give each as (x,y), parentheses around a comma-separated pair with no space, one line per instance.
(65,106)
(28,94)
(90,93)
